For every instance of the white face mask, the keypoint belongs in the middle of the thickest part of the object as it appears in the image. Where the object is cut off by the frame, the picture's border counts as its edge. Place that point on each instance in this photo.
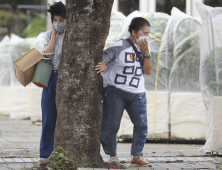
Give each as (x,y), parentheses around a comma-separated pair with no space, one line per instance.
(59,27)
(141,38)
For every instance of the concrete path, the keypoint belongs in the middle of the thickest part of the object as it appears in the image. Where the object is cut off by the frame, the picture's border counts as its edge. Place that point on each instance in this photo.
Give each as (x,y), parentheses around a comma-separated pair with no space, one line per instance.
(19,146)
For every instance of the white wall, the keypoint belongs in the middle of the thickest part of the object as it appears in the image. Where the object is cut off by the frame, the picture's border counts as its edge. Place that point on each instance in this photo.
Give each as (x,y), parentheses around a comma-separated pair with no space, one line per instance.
(191,7)
(146,6)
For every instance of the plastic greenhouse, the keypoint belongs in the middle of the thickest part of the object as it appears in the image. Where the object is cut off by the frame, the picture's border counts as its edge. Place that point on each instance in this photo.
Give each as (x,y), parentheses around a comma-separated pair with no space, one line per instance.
(182,89)
(17,101)
(211,75)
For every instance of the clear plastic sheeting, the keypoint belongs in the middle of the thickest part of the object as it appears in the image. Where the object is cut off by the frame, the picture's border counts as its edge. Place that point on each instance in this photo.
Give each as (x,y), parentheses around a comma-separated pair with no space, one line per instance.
(26,102)
(5,69)
(116,27)
(5,61)
(184,73)
(211,53)
(210,73)
(186,104)
(17,101)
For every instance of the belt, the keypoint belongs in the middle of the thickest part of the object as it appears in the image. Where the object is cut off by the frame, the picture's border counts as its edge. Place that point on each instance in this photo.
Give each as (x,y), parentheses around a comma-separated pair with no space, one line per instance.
(55,71)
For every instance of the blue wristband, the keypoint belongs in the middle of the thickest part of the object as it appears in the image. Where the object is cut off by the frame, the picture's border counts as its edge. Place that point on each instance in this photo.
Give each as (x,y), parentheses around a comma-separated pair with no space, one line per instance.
(147,56)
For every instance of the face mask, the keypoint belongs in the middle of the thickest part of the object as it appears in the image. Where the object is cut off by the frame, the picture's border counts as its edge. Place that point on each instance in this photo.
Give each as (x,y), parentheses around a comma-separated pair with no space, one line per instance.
(59,27)
(141,38)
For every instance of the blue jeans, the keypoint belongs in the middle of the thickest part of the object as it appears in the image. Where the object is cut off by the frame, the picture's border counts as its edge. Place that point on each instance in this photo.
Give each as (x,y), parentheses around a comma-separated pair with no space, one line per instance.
(114,102)
(49,115)
(142,104)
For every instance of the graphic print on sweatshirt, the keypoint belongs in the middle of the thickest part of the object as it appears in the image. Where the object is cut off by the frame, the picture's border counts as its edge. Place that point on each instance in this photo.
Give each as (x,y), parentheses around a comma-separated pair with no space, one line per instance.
(125,71)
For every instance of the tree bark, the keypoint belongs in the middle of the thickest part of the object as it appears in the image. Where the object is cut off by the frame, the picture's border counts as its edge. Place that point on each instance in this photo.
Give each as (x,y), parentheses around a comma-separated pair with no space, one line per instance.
(79,88)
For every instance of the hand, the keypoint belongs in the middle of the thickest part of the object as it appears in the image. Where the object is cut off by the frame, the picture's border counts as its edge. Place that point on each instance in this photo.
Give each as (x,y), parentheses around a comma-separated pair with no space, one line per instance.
(101,67)
(143,44)
(53,30)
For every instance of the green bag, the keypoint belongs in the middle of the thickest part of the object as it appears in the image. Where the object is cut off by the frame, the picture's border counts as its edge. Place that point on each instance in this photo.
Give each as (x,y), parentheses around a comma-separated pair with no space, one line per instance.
(43,72)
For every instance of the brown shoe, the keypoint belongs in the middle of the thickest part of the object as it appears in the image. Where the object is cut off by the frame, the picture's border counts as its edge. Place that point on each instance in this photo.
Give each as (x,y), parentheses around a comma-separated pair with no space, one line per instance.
(140,162)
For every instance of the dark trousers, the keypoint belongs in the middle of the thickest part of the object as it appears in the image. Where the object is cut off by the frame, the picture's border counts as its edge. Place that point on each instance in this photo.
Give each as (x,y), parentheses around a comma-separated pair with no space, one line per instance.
(114,103)
(49,115)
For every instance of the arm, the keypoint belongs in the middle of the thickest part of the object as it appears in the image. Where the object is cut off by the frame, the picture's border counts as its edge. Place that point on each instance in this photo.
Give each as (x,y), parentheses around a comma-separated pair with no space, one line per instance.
(147,65)
(51,46)
(108,56)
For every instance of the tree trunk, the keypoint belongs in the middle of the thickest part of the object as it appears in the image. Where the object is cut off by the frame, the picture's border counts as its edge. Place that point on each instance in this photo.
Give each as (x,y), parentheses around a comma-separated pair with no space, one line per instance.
(79,88)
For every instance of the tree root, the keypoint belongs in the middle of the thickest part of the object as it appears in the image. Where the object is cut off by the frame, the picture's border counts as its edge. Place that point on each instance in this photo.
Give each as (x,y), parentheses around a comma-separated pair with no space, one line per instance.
(65,166)
(43,165)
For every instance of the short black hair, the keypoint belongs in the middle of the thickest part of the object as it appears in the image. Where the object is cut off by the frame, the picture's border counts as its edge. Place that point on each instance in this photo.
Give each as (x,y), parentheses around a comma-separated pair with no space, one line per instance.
(137,23)
(58,8)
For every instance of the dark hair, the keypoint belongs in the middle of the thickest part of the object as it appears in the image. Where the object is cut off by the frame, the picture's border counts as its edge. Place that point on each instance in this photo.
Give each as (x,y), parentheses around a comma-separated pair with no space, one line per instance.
(58,8)
(137,23)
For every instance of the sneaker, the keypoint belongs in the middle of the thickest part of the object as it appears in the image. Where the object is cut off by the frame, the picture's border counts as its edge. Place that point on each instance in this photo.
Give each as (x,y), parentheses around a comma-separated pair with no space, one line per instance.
(140,162)
(113,159)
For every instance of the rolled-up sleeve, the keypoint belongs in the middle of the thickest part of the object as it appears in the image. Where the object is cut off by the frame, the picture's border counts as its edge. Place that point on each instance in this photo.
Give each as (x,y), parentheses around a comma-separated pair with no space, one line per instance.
(111,53)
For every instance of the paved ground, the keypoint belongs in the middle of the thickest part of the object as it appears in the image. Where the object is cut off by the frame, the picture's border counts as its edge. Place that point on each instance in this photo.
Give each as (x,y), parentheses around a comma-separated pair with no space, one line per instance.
(19,146)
